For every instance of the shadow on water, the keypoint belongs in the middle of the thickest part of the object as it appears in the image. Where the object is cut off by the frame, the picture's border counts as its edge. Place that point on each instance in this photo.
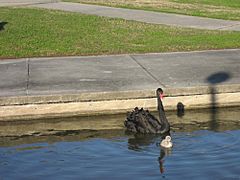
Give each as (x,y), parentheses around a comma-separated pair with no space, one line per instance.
(2,24)
(213,80)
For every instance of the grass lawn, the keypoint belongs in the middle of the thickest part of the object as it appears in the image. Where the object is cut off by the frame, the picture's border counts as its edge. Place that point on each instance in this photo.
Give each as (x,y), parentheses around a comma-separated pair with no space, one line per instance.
(221,9)
(36,32)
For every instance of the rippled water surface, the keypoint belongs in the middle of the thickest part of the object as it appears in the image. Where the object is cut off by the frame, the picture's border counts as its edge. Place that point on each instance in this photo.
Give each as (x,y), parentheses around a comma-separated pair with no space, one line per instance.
(113,154)
(199,155)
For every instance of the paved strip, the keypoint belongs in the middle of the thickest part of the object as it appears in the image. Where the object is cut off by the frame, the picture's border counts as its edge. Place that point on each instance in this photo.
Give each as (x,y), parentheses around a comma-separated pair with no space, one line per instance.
(87,74)
(193,68)
(72,75)
(146,16)
(24,2)
(13,77)
(38,88)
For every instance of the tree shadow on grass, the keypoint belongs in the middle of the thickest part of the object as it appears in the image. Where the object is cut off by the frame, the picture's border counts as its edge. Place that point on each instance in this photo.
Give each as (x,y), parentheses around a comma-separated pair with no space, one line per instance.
(2,24)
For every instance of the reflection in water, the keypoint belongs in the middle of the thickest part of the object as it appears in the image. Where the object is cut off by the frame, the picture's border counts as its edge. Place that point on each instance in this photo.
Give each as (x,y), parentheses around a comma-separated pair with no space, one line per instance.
(145,150)
(161,160)
(139,142)
(92,154)
(192,120)
(95,155)
(12,134)
(163,152)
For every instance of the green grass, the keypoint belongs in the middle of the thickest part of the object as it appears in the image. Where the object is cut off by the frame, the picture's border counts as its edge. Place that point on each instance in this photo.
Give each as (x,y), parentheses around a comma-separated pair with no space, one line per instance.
(220,9)
(35,32)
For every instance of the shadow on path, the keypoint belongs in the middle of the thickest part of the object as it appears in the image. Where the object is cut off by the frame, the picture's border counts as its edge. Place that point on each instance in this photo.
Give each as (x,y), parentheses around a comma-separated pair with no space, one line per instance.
(213,80)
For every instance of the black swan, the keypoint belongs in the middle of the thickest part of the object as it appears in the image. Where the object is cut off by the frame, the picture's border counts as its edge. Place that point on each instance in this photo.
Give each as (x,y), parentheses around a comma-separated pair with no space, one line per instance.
(141,121)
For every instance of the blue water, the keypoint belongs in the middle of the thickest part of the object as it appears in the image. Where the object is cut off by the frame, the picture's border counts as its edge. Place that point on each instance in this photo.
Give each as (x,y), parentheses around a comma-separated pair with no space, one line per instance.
(201,154)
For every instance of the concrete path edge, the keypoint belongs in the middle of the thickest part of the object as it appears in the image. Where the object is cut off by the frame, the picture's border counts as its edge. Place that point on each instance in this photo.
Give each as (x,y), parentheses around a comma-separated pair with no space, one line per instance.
(103,103)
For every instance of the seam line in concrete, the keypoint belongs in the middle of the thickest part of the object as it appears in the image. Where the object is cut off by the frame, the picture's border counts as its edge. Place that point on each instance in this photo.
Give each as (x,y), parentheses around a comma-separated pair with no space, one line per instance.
(28,75)
(148,72)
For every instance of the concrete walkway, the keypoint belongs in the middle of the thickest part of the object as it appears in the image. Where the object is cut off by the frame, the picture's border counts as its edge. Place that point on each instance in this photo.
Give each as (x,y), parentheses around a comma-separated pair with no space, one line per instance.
(146,16)
(24,2)
(65,75)
(34,88)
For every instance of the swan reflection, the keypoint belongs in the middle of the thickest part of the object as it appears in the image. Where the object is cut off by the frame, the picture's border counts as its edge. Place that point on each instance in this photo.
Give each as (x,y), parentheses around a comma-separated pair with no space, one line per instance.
(140,142)
(163,152)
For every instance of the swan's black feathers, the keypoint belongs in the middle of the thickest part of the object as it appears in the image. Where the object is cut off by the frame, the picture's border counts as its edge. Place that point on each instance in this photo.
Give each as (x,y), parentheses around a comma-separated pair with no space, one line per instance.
(140,120)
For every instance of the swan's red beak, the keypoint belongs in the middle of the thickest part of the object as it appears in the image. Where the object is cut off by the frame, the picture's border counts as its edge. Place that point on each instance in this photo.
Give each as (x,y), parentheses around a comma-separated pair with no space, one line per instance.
(161,96)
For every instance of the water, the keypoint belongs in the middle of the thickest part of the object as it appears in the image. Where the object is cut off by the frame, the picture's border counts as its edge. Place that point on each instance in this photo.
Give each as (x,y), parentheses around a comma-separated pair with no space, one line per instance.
(200,152)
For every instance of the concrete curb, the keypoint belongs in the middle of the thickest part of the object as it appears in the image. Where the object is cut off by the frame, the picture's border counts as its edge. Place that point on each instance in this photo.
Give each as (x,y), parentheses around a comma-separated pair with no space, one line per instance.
(116,95)
(101,103)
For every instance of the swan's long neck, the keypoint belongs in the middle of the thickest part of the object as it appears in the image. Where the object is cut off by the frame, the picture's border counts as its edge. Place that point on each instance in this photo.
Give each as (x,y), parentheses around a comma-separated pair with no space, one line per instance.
(162,117)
